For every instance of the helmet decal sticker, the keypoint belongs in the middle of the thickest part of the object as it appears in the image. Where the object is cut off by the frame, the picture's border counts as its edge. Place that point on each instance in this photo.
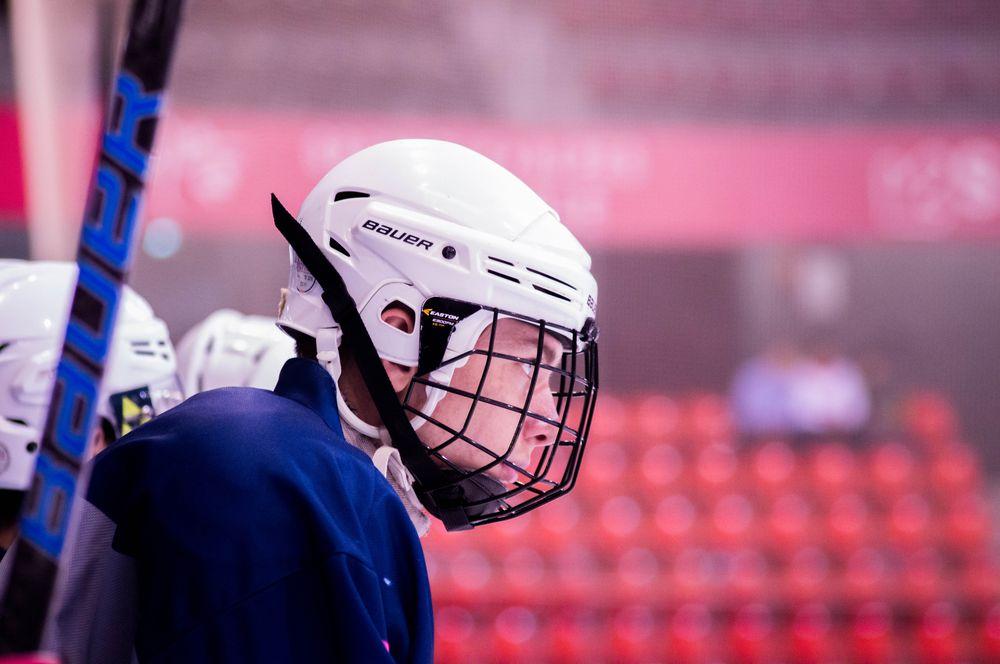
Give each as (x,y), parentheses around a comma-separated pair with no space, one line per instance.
(304,281)
(437,321)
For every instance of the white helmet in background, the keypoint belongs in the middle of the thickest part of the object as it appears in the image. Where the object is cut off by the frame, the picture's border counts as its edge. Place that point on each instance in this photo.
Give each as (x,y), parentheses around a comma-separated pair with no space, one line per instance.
(230,349)
(140,380)
(462,242)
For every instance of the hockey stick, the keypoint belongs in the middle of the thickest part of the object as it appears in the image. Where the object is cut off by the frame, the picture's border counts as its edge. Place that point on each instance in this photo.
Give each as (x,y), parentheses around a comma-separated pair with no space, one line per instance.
(104,257)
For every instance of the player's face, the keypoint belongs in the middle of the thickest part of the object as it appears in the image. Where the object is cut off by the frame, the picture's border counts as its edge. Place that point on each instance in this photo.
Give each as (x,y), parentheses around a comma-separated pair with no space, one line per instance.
(507,382)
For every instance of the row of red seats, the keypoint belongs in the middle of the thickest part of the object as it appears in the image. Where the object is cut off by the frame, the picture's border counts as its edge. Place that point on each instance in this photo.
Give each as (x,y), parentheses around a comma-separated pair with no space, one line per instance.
(692,633)
(640,574)
(775,467)
(926,417)
(732,521)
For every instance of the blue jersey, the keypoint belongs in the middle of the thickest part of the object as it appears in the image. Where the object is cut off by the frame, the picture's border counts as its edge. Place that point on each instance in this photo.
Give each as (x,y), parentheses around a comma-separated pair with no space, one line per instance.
(244,528)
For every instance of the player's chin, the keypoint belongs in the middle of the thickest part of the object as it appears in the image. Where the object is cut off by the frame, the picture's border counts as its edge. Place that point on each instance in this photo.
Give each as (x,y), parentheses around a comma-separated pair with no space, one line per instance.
(503,473)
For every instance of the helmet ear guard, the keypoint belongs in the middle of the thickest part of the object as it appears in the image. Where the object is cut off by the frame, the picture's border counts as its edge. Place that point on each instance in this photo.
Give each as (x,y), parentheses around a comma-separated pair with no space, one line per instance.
(461,499)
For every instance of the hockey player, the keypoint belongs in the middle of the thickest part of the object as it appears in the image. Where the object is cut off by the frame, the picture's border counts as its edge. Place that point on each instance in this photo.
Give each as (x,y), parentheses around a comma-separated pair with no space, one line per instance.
(444,324)
(140,380)
(230,349)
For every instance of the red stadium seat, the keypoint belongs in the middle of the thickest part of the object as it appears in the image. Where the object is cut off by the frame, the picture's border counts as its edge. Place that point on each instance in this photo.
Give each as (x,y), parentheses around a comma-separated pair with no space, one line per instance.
(990,634)
(955,469)
(752,635)
(606,467)
(979,577)
(893,469)
(968,524)
(620,522)
(455,639)
(610,419)
(578,575)
(634,636)
(438,540)
(676,523)
(911,522)
(867,576)
(808,576)
(848,523)
(774,468)
(716,468)
(499,537)
(523,576)
(750,576)
(833,470)
(872,634)
(734,521)
(812,638)
(471,574)
(638,576)
(660,469)
(559,522)
(437,574)
(693,575)
(691,635)
(939,638)
(790,524)
(516,635)
(924,577)
(930,418)
(575,636)
(656,418)
(707,419)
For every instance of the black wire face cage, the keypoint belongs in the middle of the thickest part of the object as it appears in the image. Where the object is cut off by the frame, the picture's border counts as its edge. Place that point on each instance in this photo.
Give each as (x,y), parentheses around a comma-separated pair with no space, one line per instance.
(511,476)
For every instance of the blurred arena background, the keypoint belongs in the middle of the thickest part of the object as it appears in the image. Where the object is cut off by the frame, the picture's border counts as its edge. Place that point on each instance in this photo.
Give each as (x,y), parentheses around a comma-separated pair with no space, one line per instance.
(794,212)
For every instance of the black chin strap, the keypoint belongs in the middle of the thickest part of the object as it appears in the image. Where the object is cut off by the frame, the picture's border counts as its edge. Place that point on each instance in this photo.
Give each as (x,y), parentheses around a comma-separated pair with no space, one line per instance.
(446,503)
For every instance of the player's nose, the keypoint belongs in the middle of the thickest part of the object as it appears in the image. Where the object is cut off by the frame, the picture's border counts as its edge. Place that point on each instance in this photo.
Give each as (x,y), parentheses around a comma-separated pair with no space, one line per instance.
(537,432)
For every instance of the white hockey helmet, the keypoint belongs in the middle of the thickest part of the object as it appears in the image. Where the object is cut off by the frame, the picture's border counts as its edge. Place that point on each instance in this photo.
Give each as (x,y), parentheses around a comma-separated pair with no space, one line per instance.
(230,349)
(456,237)
(140,380)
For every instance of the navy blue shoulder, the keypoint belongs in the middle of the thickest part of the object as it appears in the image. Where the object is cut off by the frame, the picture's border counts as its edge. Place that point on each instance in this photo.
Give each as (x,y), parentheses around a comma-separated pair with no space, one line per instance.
(237,461)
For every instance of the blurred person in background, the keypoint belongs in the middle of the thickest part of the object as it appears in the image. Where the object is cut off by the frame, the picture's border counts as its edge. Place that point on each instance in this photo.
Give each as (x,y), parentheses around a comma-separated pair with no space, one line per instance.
(230,349)
(140,381)
(829,394)
(786,392)
(248,525)
(761,391)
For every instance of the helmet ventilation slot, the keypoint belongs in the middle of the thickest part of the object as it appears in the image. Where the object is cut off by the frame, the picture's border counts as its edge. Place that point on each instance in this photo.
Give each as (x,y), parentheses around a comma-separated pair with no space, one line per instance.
(549,276)
(336,246)
(552,293)
(504,276)
(344,195)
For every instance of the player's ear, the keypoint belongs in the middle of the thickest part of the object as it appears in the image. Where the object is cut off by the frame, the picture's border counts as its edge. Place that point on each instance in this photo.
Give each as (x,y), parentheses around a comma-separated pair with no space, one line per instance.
(402,318)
